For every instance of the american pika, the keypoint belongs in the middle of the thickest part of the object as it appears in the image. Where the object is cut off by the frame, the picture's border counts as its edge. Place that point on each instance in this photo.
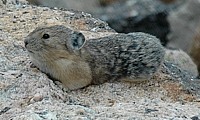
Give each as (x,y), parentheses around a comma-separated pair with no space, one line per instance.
(65,55)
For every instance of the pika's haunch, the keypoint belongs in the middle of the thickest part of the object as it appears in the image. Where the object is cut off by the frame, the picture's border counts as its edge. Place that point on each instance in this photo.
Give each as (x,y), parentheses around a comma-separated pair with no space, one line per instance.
(66,56)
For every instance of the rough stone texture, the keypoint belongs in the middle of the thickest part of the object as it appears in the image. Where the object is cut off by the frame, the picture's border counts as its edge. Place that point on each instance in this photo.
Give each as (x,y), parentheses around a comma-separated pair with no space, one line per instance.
(189,83)
(16,2)
(86,6)
(168,1)
(182,59)
(183,23)
(26,93)
(108,2)
(195,49)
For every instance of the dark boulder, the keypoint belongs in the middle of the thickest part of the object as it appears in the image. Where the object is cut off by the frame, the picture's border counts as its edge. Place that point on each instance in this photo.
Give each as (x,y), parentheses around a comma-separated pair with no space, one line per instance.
(139,16)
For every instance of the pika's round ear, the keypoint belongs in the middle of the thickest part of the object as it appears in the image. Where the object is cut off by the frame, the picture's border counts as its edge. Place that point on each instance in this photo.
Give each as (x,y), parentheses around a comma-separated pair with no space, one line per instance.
(77,40)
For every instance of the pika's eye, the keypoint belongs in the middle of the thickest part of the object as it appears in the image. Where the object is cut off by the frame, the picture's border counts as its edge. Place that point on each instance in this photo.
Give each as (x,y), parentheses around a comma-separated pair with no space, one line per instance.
(45,36)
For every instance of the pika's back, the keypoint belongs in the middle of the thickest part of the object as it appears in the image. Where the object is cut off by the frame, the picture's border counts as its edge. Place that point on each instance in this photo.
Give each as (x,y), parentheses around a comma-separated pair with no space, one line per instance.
(135,55)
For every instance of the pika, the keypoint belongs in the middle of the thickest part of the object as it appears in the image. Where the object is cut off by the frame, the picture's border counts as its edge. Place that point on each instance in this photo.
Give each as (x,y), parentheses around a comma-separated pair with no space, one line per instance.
(65,55)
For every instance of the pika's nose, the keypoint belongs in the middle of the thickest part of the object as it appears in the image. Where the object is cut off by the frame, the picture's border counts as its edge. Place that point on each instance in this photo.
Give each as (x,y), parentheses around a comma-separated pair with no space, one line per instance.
(25,42)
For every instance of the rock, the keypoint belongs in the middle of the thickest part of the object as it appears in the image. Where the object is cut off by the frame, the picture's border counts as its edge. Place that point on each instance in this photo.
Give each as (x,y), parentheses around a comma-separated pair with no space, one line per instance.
(183,23)
(188,82)
(15,2)
(139,15)
(1,3)
(197,117)
(36,98)
(108,2)
(168,1)
(27,93)
(183,60)
(86,6)
(195,49)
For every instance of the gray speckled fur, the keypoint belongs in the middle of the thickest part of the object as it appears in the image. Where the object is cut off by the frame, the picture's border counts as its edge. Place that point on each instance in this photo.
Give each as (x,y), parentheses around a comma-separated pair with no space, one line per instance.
(133,55)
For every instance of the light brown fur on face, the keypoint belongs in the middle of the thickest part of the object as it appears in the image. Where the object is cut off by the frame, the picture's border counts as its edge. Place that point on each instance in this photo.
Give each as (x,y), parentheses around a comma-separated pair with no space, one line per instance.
(64,55)
(52,57)
(70,70)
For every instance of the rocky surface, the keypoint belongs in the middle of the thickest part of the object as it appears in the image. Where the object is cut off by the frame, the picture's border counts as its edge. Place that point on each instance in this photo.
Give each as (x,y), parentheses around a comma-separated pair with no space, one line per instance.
(139,16)
(86,6)
(26,93)
(185,29)
(183,60)
(168,1)
(188,82)
(183,23)
(195,49)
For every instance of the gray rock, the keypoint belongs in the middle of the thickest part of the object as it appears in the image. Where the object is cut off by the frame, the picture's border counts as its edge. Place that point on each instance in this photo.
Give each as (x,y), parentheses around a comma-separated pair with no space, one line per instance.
(195,49)
(86,6)
(189,82)
(139,16)
(183,23)
(183,60)
(19,83)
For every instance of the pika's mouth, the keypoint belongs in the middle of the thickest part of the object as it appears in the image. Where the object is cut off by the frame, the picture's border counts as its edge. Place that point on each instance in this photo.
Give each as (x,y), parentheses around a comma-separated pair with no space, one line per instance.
(29,50)
(25,43)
